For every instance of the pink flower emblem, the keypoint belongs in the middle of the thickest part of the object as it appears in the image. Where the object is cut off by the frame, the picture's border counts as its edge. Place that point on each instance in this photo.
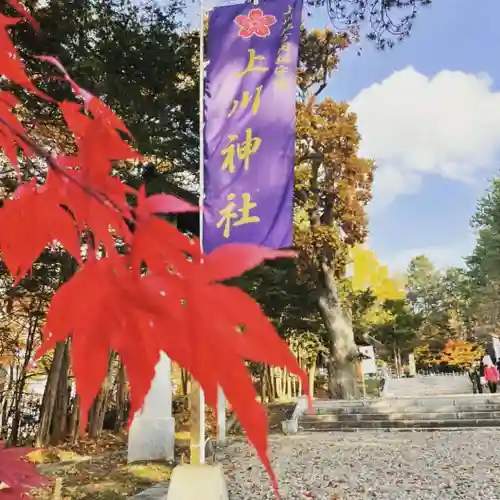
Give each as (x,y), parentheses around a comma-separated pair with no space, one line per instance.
(256,23)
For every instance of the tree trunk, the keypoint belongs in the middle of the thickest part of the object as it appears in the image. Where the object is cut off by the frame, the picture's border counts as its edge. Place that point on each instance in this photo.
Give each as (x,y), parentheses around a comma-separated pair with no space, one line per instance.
(343,350)
(312,378)
(98,410)
(16,409)
(400,363)
(7,397)
(4,398)
(300,360)
(396,362)
(263,384)
(270,385)
(121,397)
(60,413)
(49,396)
(288,378)
(184,381)
(74,420)
(279,382)
(21,381)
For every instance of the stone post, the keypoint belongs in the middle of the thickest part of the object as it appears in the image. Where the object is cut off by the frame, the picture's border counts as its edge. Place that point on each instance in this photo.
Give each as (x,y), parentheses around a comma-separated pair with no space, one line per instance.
(152,433)
(221,417)
(197,424)
(412,368)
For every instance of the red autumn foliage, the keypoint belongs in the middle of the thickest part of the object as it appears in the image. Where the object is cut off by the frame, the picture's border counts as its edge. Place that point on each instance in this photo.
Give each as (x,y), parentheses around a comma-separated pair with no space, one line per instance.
(17,476)
(175,304)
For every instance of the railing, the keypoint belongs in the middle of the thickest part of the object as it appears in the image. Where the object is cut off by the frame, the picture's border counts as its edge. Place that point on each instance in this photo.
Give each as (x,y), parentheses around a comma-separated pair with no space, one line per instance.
(424,374)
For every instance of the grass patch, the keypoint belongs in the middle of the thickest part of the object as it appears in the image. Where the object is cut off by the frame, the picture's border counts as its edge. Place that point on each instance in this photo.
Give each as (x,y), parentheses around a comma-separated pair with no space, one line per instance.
(97,470)
(106,479)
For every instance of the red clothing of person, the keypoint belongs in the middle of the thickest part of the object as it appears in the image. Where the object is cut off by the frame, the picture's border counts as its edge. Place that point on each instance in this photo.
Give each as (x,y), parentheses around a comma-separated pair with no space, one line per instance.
(491,374)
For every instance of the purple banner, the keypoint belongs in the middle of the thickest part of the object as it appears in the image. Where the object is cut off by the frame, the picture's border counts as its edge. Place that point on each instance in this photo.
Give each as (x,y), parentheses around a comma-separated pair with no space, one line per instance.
(250,98)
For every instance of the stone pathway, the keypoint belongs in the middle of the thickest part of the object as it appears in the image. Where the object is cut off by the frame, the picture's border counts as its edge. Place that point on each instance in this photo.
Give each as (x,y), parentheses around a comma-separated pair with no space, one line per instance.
(444,465)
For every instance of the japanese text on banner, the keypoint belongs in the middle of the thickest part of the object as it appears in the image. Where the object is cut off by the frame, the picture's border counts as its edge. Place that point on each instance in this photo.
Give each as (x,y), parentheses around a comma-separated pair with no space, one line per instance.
(249,156)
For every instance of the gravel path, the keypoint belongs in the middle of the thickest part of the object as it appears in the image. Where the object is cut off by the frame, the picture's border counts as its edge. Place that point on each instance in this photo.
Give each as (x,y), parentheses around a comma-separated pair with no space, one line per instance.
(439,465)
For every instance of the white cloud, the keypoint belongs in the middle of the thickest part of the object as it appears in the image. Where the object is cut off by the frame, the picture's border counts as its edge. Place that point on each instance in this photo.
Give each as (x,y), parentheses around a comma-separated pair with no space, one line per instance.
(414,125)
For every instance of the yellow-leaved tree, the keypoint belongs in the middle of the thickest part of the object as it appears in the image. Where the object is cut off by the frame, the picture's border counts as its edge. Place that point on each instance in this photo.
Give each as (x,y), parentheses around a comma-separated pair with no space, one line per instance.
(424,357)
(369,277)
(332,188)
(367,272)
(460,353)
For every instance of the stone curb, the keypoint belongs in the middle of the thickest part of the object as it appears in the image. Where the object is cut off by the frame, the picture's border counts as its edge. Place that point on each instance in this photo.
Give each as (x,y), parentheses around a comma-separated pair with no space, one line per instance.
(157,492)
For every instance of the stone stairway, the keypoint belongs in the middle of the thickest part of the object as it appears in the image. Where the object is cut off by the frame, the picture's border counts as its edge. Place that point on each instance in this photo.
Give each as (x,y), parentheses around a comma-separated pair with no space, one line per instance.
(431,412)
(428,385)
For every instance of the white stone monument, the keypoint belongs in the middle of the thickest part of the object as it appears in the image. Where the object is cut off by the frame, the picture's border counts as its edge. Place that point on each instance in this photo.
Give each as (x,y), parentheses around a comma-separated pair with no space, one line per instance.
(152,433)
(368,363)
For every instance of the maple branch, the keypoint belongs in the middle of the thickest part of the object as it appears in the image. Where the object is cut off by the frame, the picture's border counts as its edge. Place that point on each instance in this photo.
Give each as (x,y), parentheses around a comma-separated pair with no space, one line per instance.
(100,197)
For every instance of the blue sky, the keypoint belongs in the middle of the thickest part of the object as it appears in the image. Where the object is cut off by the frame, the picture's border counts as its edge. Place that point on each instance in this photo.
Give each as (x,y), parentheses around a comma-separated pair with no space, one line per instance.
(429,114)
(423,199)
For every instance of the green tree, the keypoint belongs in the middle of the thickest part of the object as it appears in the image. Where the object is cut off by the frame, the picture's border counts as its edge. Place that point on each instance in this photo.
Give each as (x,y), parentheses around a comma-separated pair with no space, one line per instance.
(137,56)
(425,295)
(422,285)
(399,329)
(457,300)
(483,265)
(287,301)
(360,306)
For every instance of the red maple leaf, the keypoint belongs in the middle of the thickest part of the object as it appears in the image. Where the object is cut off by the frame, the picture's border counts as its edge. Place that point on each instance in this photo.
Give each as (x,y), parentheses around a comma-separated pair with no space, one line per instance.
(12,133)
(92,209)
(238,330)
(97,141)
(11,64)
(178,305)
(139,316)
(17,476)
(32,216)
(255,23)
(114,315)
(169,247)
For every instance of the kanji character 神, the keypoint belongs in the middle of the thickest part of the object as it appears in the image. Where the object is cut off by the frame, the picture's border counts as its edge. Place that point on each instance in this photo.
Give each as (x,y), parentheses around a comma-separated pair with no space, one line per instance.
(241,150)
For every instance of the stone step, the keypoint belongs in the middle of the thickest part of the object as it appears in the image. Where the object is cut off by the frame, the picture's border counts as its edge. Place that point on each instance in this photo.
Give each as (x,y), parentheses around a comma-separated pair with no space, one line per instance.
(443,392)
(399,424)
(493,407)
(368,417)
(408,400)
(418,386)
(409,397)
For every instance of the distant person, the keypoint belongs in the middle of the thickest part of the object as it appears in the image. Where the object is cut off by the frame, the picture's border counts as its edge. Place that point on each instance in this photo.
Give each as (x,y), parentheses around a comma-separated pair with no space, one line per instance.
(487,361)
(475,378)
(492,377)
